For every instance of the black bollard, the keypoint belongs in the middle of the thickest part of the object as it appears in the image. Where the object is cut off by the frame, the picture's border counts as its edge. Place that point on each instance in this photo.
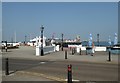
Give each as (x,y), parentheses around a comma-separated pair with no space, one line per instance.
(72,51)
(91,52)
(6,67)
(2,49)
(86,51)
(109,56)
(65,54)
(6,48)
(80,51)
(69,73)
(42,53)
(70,48)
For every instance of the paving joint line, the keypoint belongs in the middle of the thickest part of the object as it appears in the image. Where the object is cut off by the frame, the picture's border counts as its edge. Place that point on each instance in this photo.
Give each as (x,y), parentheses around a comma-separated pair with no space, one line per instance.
(43,75)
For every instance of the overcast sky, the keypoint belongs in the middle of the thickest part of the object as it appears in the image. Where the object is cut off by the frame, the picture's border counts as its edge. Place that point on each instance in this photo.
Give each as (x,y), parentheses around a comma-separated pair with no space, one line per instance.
(69,18)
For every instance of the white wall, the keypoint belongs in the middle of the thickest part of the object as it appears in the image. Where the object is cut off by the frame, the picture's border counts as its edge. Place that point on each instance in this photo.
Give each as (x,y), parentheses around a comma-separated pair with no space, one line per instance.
(84,48)
(100,48)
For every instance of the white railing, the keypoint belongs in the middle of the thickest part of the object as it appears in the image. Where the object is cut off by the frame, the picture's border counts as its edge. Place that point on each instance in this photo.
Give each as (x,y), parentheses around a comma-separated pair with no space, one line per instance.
(78,47)
(46,49)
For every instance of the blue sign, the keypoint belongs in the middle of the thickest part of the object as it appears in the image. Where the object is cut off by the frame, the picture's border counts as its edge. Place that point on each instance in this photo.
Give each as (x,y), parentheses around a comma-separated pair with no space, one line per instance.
(90,40)
(115,39)
(109,41)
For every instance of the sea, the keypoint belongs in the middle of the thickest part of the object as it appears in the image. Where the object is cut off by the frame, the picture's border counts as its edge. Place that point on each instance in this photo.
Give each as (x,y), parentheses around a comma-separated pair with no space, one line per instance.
(101,43)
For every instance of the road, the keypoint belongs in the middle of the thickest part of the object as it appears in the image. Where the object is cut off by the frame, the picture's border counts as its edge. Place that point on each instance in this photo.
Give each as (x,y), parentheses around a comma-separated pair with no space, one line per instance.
(81,71)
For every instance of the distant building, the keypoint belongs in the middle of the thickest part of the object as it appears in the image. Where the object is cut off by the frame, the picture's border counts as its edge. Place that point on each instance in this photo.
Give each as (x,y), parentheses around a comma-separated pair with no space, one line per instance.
(37,41)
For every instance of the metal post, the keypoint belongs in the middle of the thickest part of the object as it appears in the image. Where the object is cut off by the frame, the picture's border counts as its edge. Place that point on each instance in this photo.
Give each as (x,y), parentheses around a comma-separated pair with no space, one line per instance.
(86,51)
(109,56)
(72,51)
(1,49)
(69,73)
(62,41)
(42,52)
(70,48)
(6,67)
(98,39)
(92,51)
(66,54)
(6,46)
(80,51)
(25,40)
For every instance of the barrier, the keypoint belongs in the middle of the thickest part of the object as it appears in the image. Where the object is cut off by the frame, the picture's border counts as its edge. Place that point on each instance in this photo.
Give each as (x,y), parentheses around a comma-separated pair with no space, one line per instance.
(46,50)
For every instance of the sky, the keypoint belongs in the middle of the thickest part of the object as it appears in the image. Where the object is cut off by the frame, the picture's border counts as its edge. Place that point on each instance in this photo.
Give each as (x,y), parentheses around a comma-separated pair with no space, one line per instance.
(69,18)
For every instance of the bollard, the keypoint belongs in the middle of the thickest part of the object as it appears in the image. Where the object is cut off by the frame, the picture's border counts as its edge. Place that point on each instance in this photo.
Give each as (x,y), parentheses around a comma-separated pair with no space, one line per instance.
(70,48)
(91,52)
(86,51)
(6,48)
(70,73)
(2,49)
(80,51)
(72,52)
(6,67)
(62,48)
(65,54)
(109,56)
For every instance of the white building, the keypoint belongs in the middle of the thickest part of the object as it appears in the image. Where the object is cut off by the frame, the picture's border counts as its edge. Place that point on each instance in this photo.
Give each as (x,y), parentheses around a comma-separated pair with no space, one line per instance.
(37,41)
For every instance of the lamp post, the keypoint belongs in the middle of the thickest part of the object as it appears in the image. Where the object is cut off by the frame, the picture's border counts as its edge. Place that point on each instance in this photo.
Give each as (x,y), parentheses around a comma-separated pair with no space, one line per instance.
(62,42)
(25,40)
(42,52)
(98,39)
(6,46)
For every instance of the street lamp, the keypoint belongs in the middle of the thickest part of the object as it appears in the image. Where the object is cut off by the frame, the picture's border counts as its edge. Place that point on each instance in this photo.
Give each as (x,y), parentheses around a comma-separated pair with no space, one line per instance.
(98,39)
(42,52)
(25,40)
(62,41)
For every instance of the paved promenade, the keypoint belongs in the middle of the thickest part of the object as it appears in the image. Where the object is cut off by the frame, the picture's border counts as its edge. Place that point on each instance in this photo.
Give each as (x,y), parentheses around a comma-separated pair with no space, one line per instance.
(26,52)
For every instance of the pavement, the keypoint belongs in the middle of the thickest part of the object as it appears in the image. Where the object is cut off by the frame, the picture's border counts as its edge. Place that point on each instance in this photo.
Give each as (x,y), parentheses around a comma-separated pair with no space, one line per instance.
(27,52)
(0,67)
(21,76)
